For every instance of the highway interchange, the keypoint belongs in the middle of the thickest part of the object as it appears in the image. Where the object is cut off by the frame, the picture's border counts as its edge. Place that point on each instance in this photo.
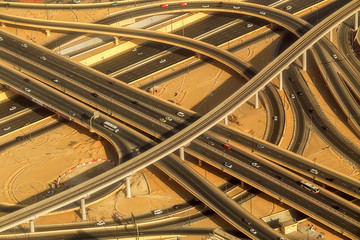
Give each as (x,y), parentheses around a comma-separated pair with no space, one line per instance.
(164,133)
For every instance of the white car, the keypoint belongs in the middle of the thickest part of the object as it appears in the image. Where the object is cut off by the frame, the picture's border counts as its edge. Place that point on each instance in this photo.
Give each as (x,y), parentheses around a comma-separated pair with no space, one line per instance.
(168,118)
(180,114)
(253,231)
(12,108)
(313,171)
(292,95)
(262,13)
(1,39)
(157,211)
(249,25)
(162,60)
(260,146)
(275,118)
(334,56)
(236,7)
(228,165)
(43,58)
(6,128)
(55,80)
(287,8)
(27,89)
(254,164)
(205,6)
(100,223)
(24,45)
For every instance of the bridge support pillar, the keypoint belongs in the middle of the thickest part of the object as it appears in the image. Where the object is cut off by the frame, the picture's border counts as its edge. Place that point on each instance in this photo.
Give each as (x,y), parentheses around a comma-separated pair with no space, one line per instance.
(256,100)
(304,61)
(47,32)
(182,153)
(116,39)
(281,80)
(128,189)
(331,35)
(356,21)
(226,120)
(32,226)
(83,210)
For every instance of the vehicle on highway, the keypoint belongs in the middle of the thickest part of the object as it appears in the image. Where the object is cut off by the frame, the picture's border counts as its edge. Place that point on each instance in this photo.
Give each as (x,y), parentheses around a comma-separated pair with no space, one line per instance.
(27,80)
(357,191)
(180,114)
(6,128)
(292,95)
(162,60)
(326,128)
(24,45)
(287,8)
(134,49)
(236,7)
(76,1)
(134,102)
(110,126)
(279,177)
(178,206)
(300,93)
(245,220)
(205,5)
(43,58)
(12,108)
(313,171)
(255,164)
(1,39)
(164,5)
(55,80)
(205,136)
(167,118)
(162,120)
(27,89)
(140,53)
(253,231)
(275,118)
(72,113)
(114,4)
(183,4)
(334,56)
(94,94)
(228,165)
(157,211)
(291,79)
(211,143)
(249,25)
(262,13)
(19,138)
(227,146)
(100,223)
(260,146)
(309,186)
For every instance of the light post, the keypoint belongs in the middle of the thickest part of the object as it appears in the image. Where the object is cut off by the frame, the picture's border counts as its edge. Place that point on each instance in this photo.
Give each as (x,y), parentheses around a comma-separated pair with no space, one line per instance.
(95,115)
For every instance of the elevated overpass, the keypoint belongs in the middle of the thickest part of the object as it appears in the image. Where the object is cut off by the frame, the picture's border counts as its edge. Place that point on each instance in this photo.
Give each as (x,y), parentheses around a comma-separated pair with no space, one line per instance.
(253,85)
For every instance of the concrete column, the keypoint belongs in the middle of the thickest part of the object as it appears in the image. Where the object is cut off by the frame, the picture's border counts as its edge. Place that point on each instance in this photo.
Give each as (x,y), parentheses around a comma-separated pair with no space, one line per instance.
(182,153)
(200,162)
(281,81)
(47,31)
(116,40)
(128,189)
(304,61)
(331,35)
(83,210)
(32,226)
(356,21)
(226,120)
(256,100)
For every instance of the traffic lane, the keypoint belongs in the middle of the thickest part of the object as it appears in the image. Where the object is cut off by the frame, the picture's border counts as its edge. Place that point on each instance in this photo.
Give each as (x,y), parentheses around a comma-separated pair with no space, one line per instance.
(277,185)
(220,203)
(14,105)
(281,155)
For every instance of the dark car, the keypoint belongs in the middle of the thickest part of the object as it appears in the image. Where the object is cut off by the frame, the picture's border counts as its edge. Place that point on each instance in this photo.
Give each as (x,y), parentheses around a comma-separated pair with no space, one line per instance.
(245,220)
(300,93)
(178,206)
(325,128)
(94,94)
(27,80)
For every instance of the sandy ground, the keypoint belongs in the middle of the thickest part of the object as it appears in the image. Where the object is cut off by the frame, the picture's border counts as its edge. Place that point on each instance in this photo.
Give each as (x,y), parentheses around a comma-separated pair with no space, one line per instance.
(70,145)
